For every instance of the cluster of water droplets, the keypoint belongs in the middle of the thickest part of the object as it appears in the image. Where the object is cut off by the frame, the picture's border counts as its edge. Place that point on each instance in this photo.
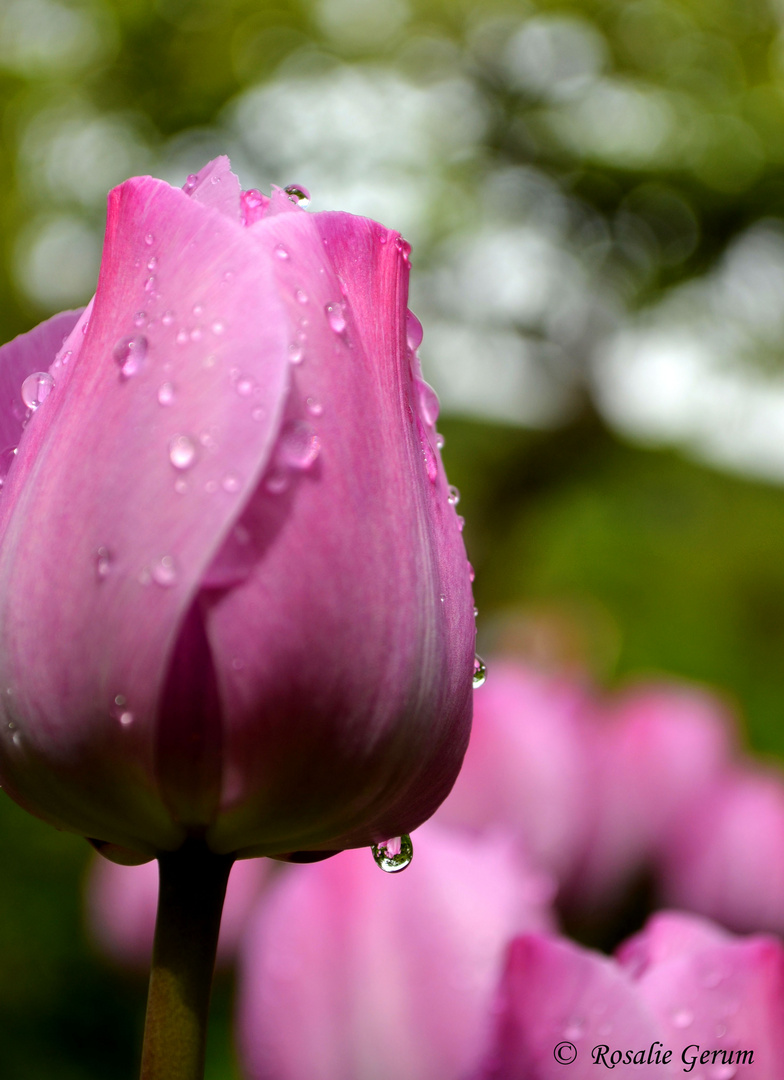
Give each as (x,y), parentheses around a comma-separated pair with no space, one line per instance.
(394,855)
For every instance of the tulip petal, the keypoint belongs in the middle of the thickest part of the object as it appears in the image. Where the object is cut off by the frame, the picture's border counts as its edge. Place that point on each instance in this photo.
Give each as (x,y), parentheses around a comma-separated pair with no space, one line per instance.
(350,974)
(26,354)
(555,994)
(354,564)
(714,992)
(216,186)
(172,418)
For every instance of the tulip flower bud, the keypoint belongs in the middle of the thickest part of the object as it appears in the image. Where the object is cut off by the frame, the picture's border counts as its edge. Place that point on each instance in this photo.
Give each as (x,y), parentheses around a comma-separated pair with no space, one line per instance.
(234,598)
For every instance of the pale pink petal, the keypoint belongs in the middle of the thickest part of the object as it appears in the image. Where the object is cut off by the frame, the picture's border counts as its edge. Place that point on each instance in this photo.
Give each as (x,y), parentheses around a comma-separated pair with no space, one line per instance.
(726,859)
(350,973)
(657,751)
(526,765)
(216,186)
(716,996)
(25,355)
(112,555)
(557,998)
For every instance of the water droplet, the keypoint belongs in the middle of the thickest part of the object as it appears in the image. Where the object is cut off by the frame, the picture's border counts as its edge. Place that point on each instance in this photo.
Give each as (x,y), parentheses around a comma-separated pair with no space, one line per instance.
(215,179)
(442,598)
(440,441)
(165,572)
(67,356)
(166,393)
(403,247)
(476,611)
(394,855)
(129,352)
(298,194)
(299,445)
(314,407)
(231,483)
(196,334)
(36,389)
(471,574)
(237,664)
(252,198)
(277,480)
(258,413)
(182,337)
(336,316)
(280,252)
(16,739)
(152,262)
(218,327)
(182,452)
(180,486)
(575,1029)
(103,563)
(428,402)
(7,458)
(480,672)
(167,318)
(724,1071)
(190,183)
(683,1018)
(140,318)
(453,496)
(460,522)
(245,386)
(198,309)
(301,297)
(414,331)
(296,354)
(149,239)
(149,285)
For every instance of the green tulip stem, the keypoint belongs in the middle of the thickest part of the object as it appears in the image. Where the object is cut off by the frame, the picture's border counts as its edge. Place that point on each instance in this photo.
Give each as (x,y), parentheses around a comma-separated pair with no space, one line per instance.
(190,901)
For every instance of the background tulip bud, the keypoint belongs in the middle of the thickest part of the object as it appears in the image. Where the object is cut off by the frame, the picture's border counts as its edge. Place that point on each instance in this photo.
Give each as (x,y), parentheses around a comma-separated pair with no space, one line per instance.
(234,598)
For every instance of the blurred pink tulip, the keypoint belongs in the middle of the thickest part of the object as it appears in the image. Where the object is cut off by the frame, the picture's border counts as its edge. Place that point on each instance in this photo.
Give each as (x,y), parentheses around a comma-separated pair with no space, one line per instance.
(726,860)
(526,768)
(234,598)
(347,976)
(682,985)
(122,900)
(657,752)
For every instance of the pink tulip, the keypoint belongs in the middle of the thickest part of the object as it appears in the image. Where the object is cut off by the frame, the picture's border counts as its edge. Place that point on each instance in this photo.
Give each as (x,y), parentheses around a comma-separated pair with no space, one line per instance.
(121,904)
(683,997)
(526,767)
(234,598)
(347,975)
(726,860)
(657,751)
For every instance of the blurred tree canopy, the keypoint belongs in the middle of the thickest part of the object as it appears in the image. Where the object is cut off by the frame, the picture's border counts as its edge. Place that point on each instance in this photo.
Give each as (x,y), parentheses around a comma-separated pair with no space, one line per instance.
(596,194)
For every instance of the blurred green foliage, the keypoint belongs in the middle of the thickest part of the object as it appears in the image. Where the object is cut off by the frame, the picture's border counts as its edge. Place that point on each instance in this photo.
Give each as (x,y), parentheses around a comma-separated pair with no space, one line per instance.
(681,566)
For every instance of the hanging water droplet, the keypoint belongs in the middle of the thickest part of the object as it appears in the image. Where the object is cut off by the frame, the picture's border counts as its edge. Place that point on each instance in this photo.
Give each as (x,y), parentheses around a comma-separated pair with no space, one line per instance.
(166,393)
(453,495)
(182,451)
(129,353)
(140,318)
(440,441)
(314,407)
(394,855)
(103,563)
(300,296)
(471,574)
(299,445)
(480,672)
(149,239)
(476,611)
(280,252)
(336,316)
(683,1018)
(165,571)
(36,389)
(414,331)
(298,194)
(277,480)
(428,402)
